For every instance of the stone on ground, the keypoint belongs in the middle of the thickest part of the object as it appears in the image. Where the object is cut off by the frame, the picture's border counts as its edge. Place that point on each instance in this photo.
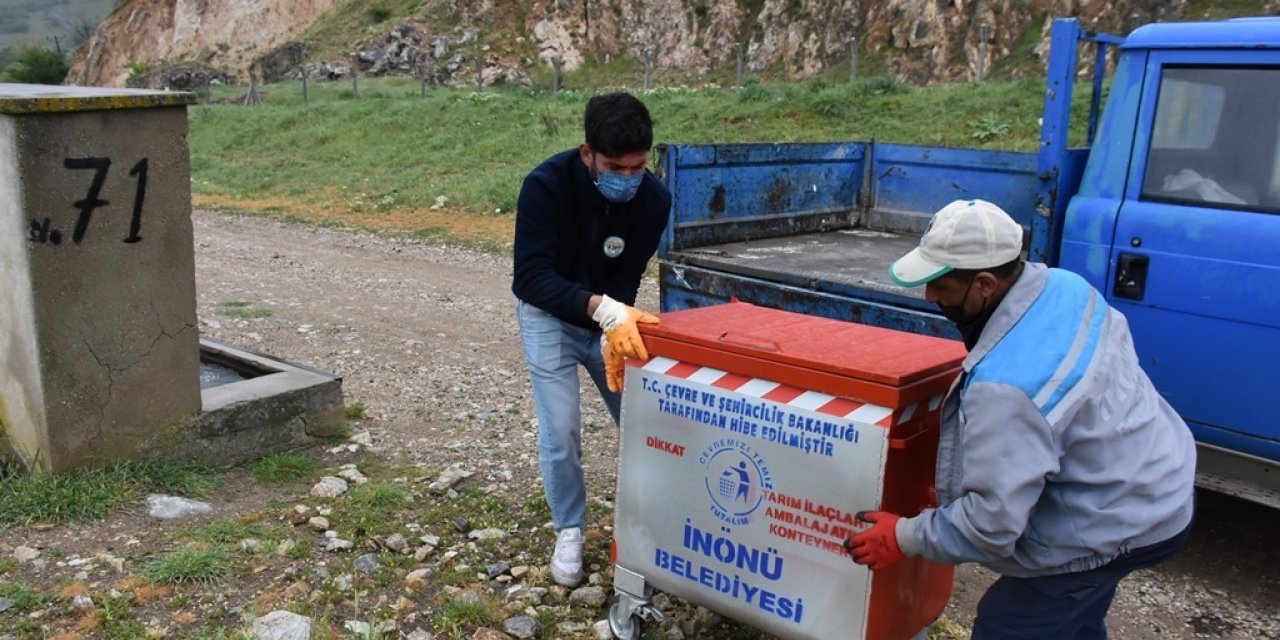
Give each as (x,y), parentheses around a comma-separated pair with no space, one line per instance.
(523,627)
(173,507)
(329,487)
(282,625)
(590,596)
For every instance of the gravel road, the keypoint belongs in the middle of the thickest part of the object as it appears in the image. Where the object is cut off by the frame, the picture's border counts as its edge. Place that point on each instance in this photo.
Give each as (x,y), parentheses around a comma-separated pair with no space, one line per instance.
(425,336)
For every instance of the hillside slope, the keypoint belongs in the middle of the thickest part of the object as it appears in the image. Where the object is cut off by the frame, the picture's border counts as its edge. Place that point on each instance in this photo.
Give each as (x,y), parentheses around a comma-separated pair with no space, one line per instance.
(918,41)
(223,33)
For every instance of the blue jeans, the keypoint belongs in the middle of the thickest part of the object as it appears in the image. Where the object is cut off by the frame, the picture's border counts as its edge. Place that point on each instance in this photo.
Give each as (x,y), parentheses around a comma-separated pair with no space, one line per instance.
(554,349)
(1069,606)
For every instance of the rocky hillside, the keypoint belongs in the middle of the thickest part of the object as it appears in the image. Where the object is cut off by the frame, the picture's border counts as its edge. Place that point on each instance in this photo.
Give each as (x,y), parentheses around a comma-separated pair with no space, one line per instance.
(227,34)
(916,40)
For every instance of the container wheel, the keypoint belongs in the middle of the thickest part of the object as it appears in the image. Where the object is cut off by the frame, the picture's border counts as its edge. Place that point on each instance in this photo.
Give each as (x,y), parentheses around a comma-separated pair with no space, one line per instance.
(622,623)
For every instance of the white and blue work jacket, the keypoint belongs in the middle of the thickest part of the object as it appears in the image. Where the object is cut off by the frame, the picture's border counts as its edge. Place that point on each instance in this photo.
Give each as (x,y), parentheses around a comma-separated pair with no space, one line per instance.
(1057,454)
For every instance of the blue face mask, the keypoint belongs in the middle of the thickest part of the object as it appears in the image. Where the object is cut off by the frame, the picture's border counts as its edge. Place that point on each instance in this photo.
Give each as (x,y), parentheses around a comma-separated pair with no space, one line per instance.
(616,187)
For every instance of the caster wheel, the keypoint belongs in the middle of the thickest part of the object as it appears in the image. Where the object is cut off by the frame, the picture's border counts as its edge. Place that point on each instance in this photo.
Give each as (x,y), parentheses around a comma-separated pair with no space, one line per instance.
(622,623)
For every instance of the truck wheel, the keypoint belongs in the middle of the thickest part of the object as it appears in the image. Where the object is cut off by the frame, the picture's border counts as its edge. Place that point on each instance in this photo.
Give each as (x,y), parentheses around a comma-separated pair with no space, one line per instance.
(622,623)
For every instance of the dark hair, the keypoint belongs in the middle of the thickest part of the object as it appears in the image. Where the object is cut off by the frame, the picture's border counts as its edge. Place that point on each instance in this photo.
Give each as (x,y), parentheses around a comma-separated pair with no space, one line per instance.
(1002,272)
(618,124)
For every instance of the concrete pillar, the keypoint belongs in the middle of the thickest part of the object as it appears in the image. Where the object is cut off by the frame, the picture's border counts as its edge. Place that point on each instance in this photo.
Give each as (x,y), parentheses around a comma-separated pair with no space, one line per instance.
(99,351)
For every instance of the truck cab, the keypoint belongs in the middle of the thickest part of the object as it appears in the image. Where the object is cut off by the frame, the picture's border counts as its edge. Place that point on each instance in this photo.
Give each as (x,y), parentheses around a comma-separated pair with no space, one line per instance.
(1177,221)
(1172,212)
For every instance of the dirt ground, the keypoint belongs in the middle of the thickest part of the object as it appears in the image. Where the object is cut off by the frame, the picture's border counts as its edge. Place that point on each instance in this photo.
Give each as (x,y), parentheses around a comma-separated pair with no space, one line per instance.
(424,336)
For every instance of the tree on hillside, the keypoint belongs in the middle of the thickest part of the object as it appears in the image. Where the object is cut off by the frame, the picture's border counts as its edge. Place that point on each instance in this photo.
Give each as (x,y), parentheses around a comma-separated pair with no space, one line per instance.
(37,65)
(80,32)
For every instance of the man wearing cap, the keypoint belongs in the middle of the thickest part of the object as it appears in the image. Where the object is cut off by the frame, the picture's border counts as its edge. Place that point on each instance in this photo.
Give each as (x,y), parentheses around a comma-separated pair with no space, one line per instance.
(1059,465)
(587,222)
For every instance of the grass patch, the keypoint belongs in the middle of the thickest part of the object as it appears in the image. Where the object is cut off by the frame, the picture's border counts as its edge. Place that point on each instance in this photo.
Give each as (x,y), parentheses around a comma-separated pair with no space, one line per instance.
(461,616)
(474,149)
(229,531)
(115,616)
(377,495)
(24,598)
(283,468)
(189,479)
(536,506)
(201,566)
(484,509)
(370,509)
(353,22)
(242,309)
(988,127)
(354,411)
(85,496)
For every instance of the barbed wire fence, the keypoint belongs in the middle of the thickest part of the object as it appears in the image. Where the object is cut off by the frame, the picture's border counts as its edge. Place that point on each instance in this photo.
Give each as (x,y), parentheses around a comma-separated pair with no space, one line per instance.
(427,70)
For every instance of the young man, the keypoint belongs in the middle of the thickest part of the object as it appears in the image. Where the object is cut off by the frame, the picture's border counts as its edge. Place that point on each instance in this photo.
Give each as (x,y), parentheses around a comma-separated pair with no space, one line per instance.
(587,222)
(1059,466)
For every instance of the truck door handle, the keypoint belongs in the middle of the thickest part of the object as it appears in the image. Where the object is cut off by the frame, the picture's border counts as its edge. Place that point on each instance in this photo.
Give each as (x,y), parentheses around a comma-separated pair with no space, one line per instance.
(1131,276)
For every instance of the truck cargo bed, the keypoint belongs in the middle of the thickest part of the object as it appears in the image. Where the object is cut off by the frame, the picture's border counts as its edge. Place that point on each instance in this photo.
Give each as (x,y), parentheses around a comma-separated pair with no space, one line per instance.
(852,257)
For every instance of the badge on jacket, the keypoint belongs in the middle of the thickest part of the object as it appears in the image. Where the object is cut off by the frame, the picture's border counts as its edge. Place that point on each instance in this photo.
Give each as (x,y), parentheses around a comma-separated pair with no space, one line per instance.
(613,246)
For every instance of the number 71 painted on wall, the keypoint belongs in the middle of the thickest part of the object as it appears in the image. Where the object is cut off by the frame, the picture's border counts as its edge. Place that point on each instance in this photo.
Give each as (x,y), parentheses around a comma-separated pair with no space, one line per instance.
(41,231)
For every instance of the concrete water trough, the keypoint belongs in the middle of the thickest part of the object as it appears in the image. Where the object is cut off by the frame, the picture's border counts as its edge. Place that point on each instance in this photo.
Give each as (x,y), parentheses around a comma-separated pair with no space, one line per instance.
(253,404)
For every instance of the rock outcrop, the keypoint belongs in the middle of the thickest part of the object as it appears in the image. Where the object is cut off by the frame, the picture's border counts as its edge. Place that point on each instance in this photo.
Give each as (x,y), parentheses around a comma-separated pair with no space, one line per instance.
(226,34)
(915,40)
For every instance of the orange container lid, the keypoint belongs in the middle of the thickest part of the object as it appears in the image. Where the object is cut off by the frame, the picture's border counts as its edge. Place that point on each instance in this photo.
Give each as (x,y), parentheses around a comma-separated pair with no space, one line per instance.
(845,349)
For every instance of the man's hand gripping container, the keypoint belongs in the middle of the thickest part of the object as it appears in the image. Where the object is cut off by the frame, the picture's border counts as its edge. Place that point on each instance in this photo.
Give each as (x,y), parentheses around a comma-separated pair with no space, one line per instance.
(750,440)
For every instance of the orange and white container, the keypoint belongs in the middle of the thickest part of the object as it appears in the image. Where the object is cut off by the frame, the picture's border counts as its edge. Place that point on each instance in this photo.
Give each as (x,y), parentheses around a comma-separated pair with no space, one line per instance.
(750,440)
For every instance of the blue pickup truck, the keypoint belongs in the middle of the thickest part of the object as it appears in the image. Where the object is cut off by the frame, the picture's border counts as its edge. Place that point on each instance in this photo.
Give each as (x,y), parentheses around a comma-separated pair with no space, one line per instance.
(1172,211)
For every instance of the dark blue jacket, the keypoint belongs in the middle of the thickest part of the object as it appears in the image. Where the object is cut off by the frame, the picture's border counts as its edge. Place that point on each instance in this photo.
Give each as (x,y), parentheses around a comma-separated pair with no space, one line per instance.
(562,223)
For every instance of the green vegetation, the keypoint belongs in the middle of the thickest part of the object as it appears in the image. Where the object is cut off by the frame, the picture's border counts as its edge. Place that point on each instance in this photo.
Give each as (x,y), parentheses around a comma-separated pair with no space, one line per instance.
(988,127)
(377,495)
(242,309)
(89,495)
(115,615)
(24,597)
(485,510)
(229,531)
(379,13)
(137,69)
(282,468)
(1021,62)
(464,616)
(189,565)
(354,411)
(393,161)
(36,65)
(371,509)
(354,21)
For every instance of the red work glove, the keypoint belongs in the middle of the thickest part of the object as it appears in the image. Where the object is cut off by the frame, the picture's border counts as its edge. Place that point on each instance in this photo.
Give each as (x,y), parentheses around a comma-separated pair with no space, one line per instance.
(876,547)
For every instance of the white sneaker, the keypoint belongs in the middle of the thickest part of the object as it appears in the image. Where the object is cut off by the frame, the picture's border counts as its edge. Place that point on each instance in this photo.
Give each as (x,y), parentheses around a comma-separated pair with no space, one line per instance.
(566,562)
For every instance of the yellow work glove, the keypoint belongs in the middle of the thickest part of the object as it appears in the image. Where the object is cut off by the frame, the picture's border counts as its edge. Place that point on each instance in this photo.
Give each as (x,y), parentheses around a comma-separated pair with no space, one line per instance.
(619,324)
(615,366)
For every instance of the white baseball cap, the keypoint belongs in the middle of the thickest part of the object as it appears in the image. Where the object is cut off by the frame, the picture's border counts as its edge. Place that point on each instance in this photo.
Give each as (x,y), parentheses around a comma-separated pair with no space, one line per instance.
(966,234)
